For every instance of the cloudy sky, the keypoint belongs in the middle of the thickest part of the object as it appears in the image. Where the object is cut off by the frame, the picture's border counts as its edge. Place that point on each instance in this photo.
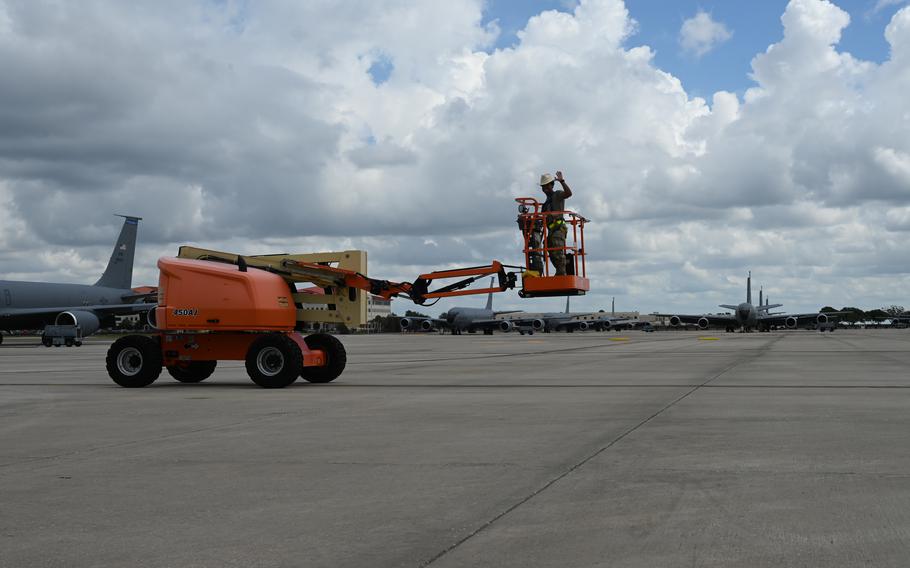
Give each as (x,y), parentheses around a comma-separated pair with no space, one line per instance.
(703,140)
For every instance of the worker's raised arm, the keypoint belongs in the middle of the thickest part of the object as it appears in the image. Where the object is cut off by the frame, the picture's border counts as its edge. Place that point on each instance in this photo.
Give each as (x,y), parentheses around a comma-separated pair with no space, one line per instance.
(565,187)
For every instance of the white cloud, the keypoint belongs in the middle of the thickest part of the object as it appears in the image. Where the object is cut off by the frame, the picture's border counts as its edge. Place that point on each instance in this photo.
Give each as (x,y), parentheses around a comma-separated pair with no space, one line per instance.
(701,34)
(252,129)
(883,4)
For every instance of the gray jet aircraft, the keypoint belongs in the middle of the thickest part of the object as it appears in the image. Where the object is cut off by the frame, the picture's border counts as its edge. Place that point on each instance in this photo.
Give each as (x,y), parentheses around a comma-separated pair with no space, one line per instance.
(68,312)
(569,322)
(748,317)
(472,320)
(460,319)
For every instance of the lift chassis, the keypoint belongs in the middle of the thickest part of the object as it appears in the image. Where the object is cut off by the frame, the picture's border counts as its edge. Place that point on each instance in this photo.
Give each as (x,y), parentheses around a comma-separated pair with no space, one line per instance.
(215,306)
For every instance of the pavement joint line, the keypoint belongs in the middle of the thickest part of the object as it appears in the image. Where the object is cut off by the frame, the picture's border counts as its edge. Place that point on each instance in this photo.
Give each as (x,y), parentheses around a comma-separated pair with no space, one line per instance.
(600,386)
(578,465)
(232,386)
(504,355)
(613,345)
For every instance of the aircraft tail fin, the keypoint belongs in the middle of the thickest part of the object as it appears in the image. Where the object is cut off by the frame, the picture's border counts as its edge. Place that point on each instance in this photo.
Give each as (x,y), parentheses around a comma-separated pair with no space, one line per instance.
(119,271)
(490,296)
(567,303)
(760,292)
(749,288)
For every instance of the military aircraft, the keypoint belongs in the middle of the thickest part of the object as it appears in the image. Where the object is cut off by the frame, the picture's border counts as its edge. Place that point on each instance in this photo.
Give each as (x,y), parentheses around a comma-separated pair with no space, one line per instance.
(569,322)
(472,320)
(68,312)
(748,317)
(611,322)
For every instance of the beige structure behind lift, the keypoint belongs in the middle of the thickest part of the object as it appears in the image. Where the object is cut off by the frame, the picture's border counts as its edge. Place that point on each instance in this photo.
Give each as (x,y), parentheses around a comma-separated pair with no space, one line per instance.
(350,305)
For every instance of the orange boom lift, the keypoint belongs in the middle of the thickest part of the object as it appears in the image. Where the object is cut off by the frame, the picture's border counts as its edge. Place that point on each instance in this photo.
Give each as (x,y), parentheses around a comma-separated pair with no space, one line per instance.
(216,306)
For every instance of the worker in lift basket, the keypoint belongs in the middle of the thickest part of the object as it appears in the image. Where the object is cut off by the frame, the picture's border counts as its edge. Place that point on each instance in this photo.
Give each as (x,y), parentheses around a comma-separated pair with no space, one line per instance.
(556,224)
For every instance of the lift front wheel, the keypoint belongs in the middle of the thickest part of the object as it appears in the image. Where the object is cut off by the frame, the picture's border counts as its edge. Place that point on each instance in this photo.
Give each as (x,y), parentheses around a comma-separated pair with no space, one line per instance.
(274,361)
(134,361)
(192,371)
(335,358)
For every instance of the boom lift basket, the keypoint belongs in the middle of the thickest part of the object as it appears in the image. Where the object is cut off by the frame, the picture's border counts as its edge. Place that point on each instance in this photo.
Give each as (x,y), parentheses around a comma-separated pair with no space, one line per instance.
(538,280)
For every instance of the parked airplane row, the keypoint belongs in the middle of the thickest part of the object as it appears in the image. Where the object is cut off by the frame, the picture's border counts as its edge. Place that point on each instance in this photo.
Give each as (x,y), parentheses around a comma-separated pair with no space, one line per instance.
(460,319)
(747,317)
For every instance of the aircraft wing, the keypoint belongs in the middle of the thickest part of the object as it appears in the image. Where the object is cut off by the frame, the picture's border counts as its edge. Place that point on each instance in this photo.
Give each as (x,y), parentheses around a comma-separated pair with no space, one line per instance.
(421,323)
(713,319)
(569,323)
(797,320)
(492,323)
(100,309)
(506,324)
(145,296)
(619,323)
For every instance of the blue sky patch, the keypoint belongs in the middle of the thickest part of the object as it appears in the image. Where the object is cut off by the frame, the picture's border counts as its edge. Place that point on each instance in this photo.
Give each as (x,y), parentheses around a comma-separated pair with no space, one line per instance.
(381,69)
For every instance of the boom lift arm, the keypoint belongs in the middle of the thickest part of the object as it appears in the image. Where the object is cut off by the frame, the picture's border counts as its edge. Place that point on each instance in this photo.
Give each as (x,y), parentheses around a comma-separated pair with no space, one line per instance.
(417,291)
(324,275)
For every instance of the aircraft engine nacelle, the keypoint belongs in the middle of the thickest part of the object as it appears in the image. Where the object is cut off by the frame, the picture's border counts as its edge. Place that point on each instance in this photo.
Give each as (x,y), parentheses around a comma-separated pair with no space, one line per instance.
(791,322)
(506,326)
(604,326)
(821,319)
(88,321)
(426,325)
(703,323)
(406,323)
(582,326)
(675,321)
(538,324)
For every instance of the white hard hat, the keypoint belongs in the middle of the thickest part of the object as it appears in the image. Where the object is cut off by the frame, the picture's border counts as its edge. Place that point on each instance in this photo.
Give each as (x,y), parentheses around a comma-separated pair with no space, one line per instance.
(546,178)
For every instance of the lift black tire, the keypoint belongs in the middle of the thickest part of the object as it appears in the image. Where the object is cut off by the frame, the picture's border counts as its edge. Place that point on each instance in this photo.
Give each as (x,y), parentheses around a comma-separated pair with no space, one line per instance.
(192,371)
(134,361)
(46,341)
(1,338)
(336,358)
(274,361)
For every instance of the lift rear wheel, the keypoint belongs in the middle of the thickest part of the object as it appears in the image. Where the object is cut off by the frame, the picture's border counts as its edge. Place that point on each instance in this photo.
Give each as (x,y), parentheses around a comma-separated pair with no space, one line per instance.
(192,371)
(134,361)
(335,355)
(274,361)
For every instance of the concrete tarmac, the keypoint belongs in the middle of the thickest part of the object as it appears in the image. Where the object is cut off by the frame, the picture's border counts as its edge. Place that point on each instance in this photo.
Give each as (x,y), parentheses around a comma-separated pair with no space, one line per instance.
(587,449)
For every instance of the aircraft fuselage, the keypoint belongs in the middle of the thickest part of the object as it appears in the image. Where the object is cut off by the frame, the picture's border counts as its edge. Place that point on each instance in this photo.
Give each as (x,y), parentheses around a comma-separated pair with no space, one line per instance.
(26,296)
(746,316)
(462,318)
